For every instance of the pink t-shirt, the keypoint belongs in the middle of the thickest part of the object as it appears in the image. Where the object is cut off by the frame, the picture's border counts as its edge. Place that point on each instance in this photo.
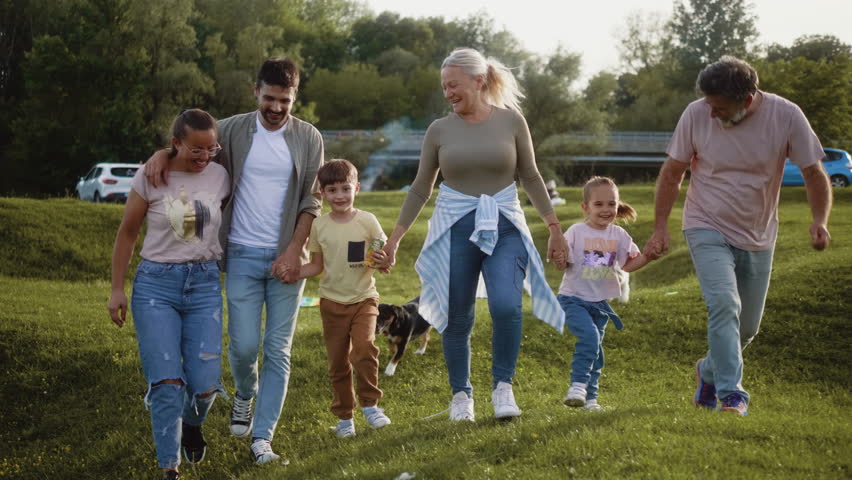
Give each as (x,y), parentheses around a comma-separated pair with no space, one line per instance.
(736,172)
(593,255)
(184,216)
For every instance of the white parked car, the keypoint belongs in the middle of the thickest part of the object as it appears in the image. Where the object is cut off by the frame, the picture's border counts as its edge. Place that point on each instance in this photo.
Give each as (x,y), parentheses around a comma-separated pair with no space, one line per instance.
(107,182)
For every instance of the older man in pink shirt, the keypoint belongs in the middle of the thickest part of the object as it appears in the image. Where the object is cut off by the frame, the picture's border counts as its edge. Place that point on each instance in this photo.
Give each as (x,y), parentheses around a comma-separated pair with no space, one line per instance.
(735,141)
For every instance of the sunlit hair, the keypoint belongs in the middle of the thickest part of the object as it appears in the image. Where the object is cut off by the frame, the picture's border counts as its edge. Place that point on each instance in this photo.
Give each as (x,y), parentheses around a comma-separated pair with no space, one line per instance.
(500,89)
(281,72)
(192,119)
(624,210)
(730,77)
(337,171)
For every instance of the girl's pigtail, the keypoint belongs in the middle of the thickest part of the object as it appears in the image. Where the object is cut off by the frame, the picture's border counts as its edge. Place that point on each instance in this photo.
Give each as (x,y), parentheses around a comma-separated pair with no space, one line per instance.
(625,211)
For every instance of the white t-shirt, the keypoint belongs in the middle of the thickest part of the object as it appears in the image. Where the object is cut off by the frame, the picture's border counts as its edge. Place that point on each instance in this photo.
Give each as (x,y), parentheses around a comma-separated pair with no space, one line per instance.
(737,171)
(593,255)
(259,197)
(184,216)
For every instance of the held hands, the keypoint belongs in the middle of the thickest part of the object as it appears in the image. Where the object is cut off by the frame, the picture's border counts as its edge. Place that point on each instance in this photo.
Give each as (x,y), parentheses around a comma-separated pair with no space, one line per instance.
(557,250)
(388,257)
(287,266)
(381,261)
(658,245)
(820,238)
(117,307)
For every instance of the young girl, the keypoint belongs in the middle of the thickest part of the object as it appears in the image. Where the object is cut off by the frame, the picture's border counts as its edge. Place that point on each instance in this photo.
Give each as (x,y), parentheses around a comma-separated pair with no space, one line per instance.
(596,248)
(177,299)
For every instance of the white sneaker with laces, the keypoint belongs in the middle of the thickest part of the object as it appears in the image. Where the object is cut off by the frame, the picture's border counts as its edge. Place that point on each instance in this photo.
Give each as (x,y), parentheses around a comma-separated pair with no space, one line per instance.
(504,401)
(345,428)
(461,408)
(576,396)
(592,406)
(376,417)
(241,418)
(261,449)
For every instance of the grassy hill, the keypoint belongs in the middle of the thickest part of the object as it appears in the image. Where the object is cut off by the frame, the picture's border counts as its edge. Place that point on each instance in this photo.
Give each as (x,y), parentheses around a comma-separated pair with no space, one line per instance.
(72,385)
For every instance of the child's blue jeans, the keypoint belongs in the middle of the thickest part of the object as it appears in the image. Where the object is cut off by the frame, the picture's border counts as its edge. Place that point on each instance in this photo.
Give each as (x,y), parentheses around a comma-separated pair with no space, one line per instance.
(177,312)
(587,321)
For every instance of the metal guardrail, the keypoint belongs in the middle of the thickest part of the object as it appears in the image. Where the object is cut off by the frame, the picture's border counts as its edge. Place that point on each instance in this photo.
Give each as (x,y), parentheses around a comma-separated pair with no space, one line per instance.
(618,142)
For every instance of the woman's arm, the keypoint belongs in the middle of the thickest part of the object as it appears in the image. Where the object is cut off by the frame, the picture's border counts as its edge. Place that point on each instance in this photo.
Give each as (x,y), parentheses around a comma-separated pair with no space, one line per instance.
(418,195)
(125,239)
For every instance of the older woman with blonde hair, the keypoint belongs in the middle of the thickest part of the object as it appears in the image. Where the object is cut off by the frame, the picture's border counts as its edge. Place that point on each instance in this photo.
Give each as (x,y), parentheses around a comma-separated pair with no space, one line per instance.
(478,223)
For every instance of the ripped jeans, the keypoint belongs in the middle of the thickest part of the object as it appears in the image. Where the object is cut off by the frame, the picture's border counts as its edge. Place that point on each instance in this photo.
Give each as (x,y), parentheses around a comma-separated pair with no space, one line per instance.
(177,312)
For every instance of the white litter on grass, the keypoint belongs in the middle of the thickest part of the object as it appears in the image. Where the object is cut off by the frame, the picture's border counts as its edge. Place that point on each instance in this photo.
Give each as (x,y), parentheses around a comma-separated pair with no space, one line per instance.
(672,293)
(405,476)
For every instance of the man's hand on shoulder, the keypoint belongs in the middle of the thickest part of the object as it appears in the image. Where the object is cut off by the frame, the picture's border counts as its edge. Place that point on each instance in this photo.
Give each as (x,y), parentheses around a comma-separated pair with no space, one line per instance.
(157,168)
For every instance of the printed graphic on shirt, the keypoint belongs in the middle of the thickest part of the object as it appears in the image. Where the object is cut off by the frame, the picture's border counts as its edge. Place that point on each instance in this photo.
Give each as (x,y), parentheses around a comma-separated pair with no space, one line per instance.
(356,254)
(598,258)
(188,217)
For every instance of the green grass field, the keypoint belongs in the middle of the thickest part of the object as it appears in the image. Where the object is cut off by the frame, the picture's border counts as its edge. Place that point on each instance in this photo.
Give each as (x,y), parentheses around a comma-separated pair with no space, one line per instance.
(72,384)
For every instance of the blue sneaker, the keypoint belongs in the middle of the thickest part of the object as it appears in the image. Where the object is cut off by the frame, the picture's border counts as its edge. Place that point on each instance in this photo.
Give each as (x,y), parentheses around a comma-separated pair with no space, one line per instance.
(705,394)
(734,403)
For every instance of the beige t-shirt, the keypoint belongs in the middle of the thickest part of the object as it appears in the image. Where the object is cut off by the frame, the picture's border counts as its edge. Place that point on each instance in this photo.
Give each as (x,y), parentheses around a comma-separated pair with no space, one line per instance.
(736,172)
(476,159)
(184,216)
(344,247)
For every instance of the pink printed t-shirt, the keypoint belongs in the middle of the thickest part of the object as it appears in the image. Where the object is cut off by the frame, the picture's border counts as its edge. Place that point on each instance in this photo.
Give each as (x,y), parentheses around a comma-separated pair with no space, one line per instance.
(737,171)
(184,216)
(593,255)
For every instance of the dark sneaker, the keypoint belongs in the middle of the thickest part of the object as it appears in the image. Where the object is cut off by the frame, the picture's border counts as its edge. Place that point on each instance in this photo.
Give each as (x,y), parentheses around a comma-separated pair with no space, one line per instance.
(192,444)
(705,394)
(171,475)
(734,403)
(241,419)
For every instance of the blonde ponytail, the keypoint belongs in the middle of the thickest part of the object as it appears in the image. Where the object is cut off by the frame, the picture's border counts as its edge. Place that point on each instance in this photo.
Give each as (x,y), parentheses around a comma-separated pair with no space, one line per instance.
(500,89)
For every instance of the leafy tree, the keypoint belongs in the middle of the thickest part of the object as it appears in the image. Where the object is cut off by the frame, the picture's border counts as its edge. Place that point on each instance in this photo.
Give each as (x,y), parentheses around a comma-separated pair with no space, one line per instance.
(707,29)
(357,97)
(811,47)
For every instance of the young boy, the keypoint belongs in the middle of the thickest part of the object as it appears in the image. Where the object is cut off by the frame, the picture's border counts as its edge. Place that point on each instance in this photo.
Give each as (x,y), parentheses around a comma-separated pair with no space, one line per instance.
(349,302)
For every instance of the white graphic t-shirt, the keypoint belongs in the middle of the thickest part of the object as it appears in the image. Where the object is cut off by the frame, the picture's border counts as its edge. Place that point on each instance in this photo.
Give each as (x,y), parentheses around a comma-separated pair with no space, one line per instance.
(593,255)
(184,216)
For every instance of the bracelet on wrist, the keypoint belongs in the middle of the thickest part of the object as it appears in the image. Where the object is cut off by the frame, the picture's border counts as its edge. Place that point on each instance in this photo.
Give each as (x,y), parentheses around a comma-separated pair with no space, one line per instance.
(553,224)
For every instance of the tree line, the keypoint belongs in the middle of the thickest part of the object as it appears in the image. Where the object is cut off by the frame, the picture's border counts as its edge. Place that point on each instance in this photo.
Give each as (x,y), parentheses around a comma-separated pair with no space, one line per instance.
(83,81)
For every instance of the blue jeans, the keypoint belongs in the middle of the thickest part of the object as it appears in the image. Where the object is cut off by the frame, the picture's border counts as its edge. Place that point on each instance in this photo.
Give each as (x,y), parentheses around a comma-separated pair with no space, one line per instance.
(503,271)
(734,283)
(249,285)
(177,312)
(587,321)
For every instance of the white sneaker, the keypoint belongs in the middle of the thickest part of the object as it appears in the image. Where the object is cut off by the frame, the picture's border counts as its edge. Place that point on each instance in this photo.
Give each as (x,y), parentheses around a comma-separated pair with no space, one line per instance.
(241,418)
(504,401)
(345,428)
(576,396)
(376,417)
(261,449)
(461,408)
(592,406)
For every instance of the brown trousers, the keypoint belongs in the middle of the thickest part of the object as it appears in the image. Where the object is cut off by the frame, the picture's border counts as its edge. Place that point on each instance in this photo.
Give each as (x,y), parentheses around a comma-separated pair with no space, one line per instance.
(349,331)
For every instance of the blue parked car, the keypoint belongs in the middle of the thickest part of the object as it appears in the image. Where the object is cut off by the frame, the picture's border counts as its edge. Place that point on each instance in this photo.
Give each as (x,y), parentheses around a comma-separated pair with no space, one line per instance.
(836,162)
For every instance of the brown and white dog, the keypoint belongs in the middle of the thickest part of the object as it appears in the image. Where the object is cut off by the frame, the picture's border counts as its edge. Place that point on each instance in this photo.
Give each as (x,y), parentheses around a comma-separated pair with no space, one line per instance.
(402,324)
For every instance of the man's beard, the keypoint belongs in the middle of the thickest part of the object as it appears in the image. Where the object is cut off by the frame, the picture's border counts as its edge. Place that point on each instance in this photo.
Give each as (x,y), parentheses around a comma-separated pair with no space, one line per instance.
(735,119)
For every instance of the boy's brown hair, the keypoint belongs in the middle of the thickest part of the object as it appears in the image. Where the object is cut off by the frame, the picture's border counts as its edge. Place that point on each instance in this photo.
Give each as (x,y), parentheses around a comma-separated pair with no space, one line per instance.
(337,170)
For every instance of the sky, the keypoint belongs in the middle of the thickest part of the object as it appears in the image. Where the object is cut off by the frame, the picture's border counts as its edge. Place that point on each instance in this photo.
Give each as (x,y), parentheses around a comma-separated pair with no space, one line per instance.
(591,27)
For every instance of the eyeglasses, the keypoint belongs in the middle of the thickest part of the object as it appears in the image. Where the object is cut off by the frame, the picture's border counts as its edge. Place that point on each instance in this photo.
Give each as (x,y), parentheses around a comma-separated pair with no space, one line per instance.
(212,151)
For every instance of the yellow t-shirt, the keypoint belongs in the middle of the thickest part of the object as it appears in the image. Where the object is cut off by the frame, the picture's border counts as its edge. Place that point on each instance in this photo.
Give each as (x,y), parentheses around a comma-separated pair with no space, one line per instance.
(344,247)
